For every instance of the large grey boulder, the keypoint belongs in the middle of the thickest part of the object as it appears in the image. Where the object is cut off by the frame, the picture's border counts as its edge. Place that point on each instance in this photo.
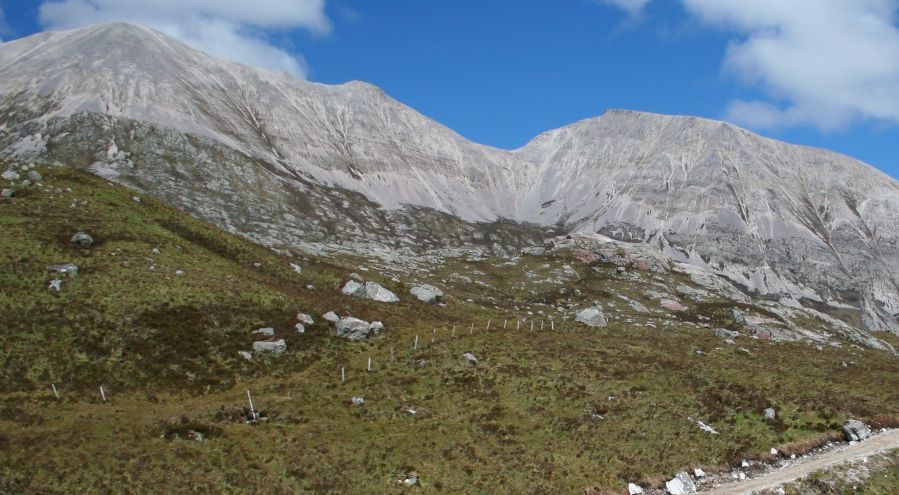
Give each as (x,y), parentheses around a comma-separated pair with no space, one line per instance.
(273,346)
(681,484)
(355,329)
(856,431)
(11,175)
(592,317)
(82,239)
(427,293)
(369,290)
(8,193)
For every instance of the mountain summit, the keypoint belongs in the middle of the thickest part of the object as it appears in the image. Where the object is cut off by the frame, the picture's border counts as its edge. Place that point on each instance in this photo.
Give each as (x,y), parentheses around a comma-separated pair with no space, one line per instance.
(286,161)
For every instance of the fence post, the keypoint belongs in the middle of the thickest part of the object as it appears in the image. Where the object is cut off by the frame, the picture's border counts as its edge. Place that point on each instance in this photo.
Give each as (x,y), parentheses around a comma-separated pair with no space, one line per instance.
(102,393)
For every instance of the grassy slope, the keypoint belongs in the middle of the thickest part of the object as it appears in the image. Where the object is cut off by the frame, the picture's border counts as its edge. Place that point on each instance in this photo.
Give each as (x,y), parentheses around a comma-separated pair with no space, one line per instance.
(165,345)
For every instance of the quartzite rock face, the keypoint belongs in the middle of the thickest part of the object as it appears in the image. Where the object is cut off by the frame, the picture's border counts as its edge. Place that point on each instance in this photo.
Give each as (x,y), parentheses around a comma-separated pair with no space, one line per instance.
(281,160)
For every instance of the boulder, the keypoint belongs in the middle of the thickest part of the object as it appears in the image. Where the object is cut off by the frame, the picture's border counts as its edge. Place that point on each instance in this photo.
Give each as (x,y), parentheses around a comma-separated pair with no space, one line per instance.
(269,331)
(273,346)
(245,355)
(427,293)
(672,305)
(471,358)
(64,269)
(353,288)
(82,239)
(770,414)
(369,290)
(55,284)
(725,333)
(533,251)
(331,317)
(358,400)
(592,317)
(10,175)
(300,328)
(856,431)
(305,319)
(26,183)
(375,292)
(376,327)
(633,489)
(354,328)
(35,175)
(681,484)
(8,193)
(297,268)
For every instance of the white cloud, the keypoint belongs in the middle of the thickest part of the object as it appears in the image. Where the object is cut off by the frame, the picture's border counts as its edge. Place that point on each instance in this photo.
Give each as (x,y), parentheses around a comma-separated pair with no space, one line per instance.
(633,7)
(231,29)
(826,63)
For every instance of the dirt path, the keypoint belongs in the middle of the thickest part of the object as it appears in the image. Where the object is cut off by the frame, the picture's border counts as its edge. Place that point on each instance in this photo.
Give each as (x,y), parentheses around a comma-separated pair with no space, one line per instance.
(879,443)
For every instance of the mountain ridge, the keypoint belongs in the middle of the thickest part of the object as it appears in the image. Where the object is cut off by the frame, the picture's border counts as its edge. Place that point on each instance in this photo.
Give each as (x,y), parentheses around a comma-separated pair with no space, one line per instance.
(780,220)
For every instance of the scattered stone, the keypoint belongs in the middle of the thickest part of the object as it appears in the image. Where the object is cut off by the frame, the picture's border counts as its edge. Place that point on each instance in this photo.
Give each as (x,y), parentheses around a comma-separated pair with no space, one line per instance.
(699,473)
(275,346)
(265,331)
(35,175)
(246,355)
(592,317)
(410,480)
(706,428)
(621,269)
(770,414)
(681,484)
(8,193)
(376,327)
(533,251)
(427,294)
(725,333)
(179,272)
(856,431)
(136,199)
(355,276)
(82,239)
(355,329)
(305,319)
(64,269)
(300,328)
(672,305)
(471,358)
(26,183)
(55,284)
(774,451)
(331,317)
(297,268)
(358,401)
(633,489)
(10,175)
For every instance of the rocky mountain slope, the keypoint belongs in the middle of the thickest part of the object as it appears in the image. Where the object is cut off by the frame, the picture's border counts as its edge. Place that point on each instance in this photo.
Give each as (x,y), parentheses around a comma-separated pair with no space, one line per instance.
(290,162)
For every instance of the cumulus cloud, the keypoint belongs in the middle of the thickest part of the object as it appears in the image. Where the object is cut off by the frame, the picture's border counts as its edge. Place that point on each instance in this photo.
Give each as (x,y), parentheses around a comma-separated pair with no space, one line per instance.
(825,63)
(231,29)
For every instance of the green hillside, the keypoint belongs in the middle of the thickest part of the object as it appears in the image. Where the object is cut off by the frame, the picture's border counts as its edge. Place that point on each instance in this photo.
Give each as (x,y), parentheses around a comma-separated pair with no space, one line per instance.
(163,303)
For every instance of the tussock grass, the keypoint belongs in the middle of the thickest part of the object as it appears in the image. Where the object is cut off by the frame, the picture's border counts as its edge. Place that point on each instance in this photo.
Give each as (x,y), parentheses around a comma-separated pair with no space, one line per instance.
(524,420)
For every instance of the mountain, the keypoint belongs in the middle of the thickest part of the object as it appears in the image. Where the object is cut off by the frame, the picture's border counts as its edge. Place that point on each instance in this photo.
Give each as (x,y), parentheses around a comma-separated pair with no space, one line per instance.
(290,162)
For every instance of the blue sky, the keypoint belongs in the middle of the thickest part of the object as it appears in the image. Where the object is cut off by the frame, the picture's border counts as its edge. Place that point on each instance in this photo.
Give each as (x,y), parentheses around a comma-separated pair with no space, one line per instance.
(817,72)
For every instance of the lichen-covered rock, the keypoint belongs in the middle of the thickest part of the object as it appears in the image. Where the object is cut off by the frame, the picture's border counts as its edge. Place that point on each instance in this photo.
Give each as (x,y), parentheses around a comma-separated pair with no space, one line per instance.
(353,329)
(82,239)
(305,319)
(273,346)
(331,317)
(64,268)
(593,317)
(369,290)
(10,175)
(427,293)
(856,431)
(672,305)
(681,484)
